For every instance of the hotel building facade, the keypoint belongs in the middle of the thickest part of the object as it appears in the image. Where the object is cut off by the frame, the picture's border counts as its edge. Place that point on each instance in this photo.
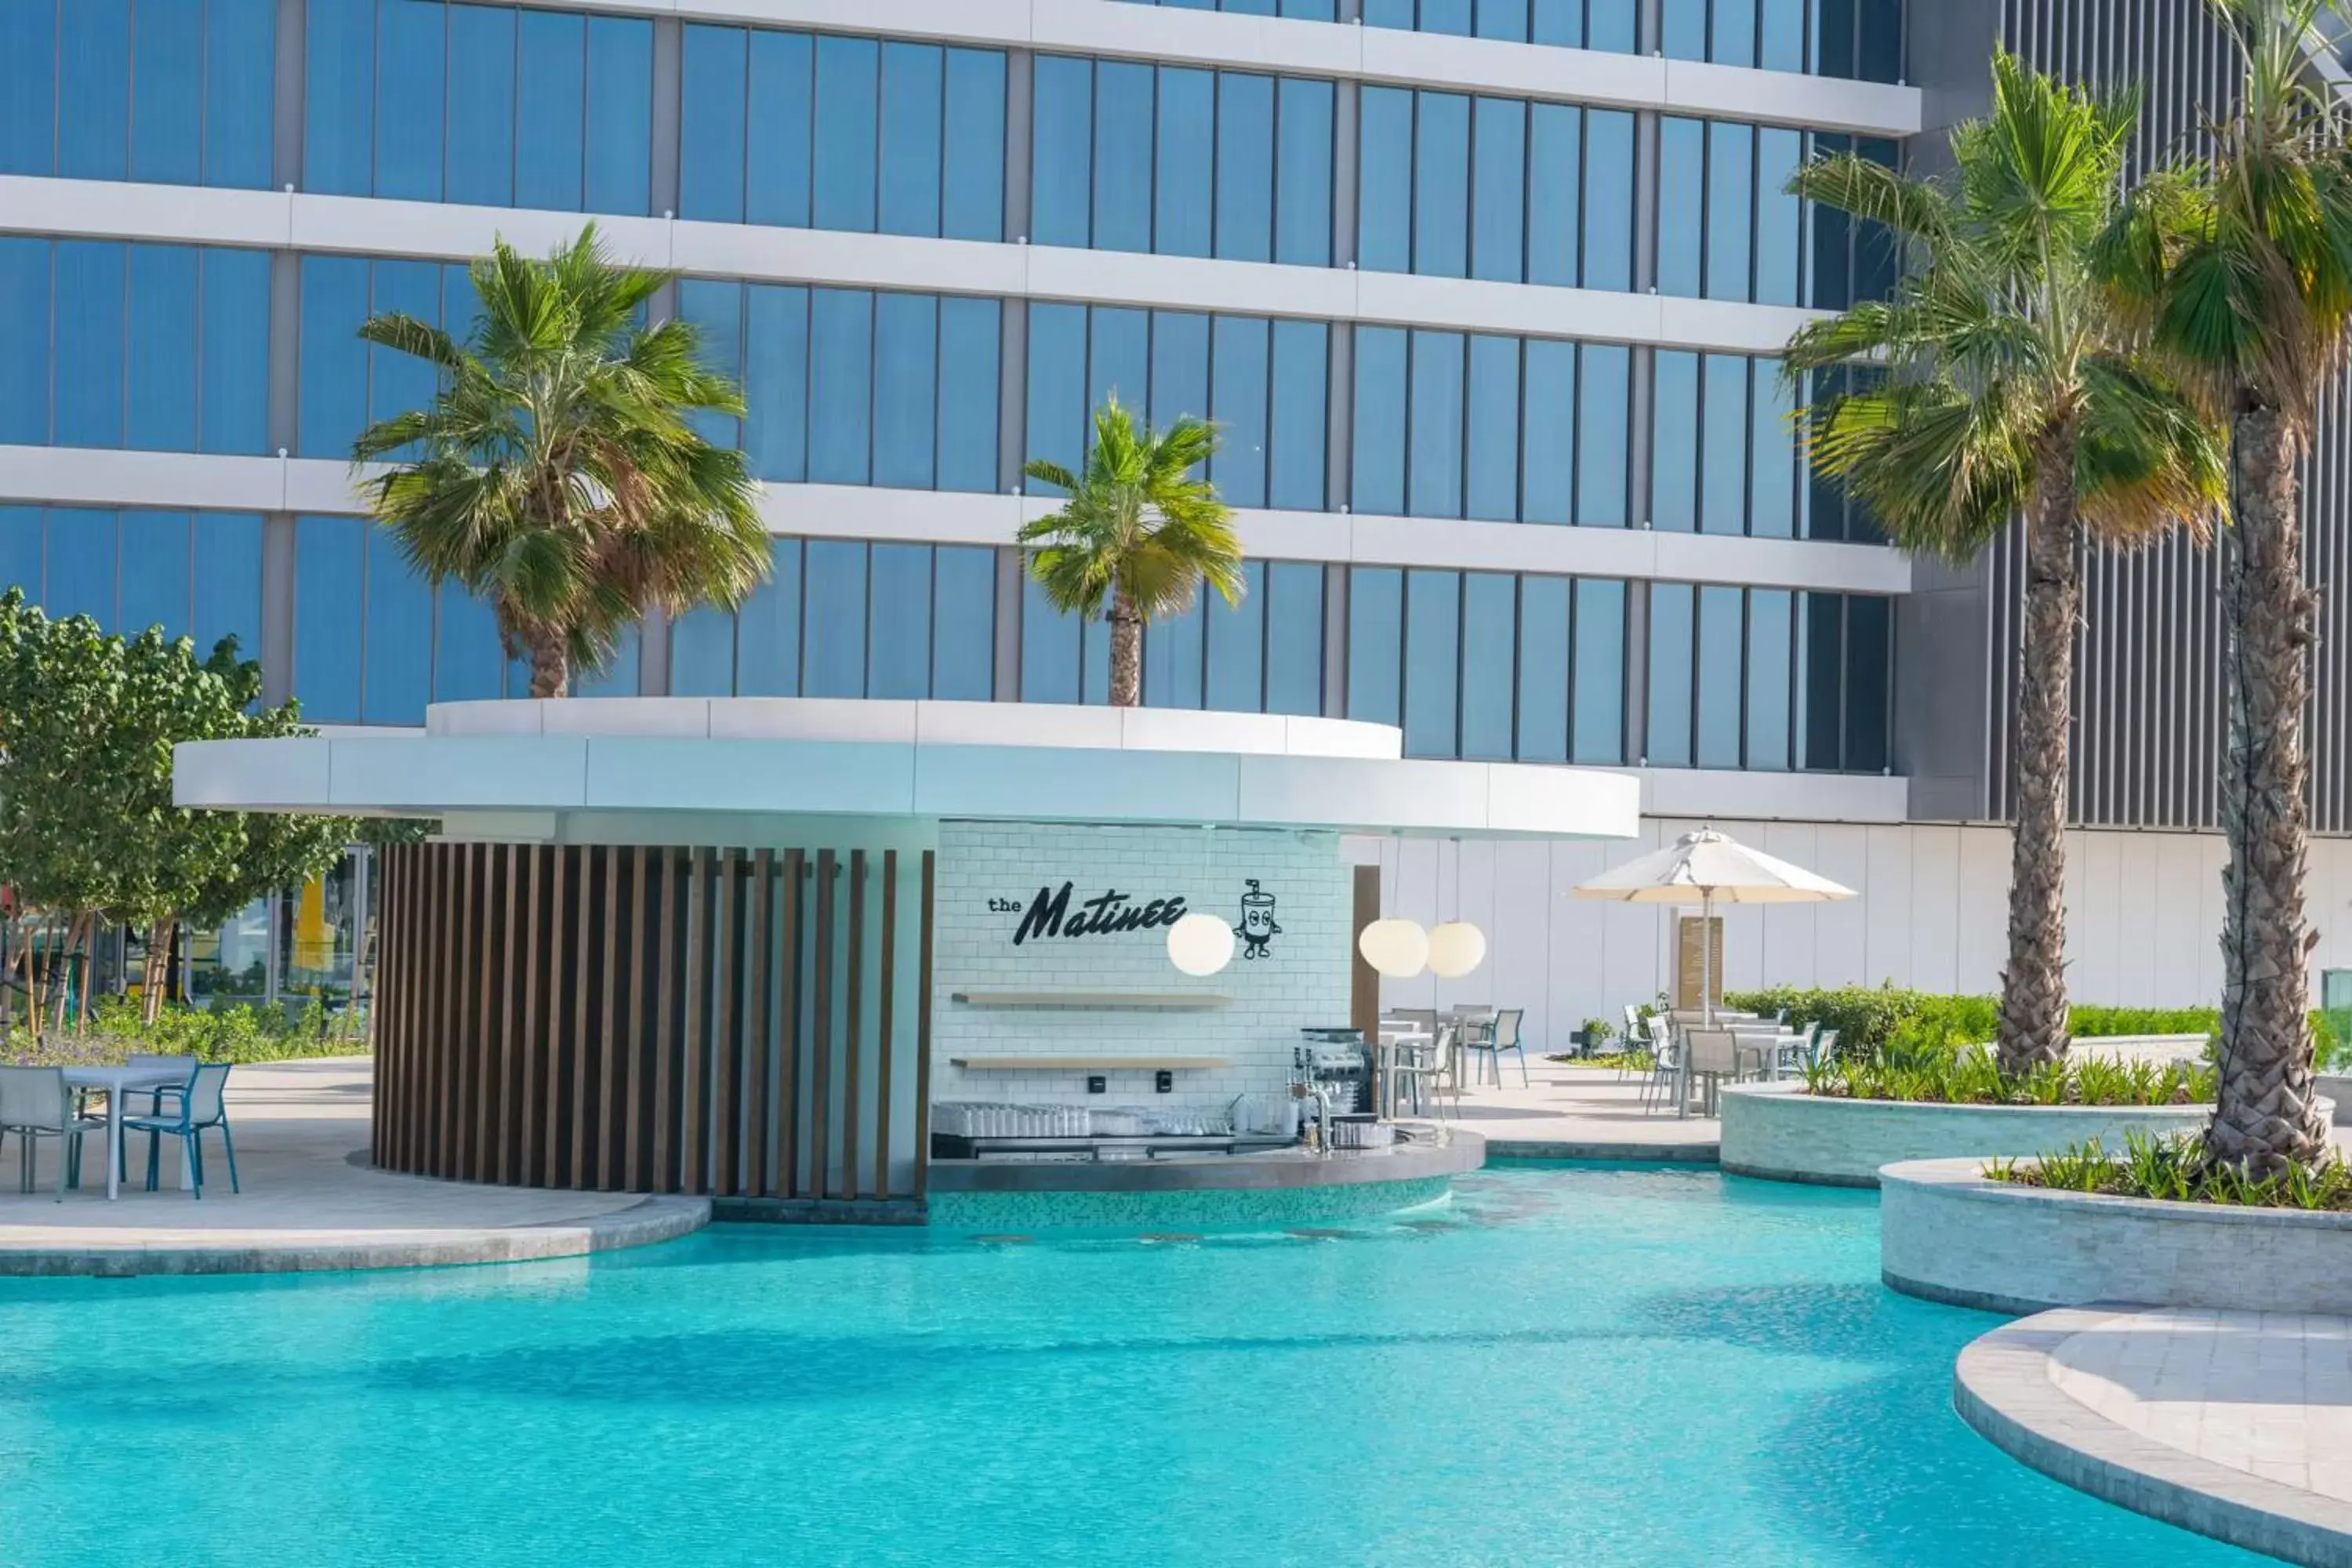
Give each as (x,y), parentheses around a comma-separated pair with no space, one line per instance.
(1484,296)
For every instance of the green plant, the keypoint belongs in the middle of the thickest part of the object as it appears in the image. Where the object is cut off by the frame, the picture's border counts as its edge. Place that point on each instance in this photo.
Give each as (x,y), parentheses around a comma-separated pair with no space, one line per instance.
(233,1034)
(1598,1032)
(1976,1077)
(1995,382)
(2181,1168)
(1138,531)
(555,474)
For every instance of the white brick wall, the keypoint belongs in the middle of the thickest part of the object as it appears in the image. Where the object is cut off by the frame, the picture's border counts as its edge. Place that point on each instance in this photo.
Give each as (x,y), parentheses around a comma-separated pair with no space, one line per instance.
(1303,979)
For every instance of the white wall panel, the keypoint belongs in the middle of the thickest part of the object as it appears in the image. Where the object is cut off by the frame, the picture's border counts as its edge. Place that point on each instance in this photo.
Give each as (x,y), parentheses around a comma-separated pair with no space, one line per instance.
(1983,911)
(1934,908)
(1886,944)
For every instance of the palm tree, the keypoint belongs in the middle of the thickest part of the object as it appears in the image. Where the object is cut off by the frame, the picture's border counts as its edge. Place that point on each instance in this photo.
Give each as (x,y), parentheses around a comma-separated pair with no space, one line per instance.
(2006,391)
(2239,271)
(554,473)
(1138,529)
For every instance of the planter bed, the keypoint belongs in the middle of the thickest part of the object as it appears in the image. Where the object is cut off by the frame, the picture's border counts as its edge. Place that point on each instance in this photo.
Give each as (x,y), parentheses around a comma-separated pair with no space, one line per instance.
(1949,1234)
(1778,1131)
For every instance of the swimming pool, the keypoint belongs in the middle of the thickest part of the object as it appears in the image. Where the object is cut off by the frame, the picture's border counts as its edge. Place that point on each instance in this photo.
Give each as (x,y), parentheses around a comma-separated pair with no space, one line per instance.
(1584,1365)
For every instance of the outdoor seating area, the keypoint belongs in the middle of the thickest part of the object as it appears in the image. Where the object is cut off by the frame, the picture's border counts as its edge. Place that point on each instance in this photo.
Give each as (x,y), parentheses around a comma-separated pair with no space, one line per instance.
(1425,1053)
(1704,1049)
(167,1098)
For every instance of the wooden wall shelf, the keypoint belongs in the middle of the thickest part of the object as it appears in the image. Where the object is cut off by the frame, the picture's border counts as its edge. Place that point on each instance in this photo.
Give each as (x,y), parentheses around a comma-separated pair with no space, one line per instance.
(1097,1001)
(1089,1064)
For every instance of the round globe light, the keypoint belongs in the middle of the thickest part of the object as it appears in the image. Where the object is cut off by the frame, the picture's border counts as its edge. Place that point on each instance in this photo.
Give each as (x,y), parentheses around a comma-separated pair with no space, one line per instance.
(1456,949)
(1200,943)
(1398,949)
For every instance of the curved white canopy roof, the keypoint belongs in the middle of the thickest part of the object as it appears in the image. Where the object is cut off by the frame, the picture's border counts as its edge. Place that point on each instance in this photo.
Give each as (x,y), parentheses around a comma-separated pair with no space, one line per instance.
(1006,761)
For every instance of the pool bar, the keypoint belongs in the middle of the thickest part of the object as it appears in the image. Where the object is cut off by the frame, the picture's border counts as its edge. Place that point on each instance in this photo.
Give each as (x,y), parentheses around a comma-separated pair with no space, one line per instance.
(825,960)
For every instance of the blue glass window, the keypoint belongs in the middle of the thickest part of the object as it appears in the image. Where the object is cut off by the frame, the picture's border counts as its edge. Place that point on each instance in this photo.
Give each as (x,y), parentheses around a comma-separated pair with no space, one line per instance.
(1489,662)
(93,97)
(1604,438)
(1730,209)
(1674,442)
(1599,705)
(711,130)
(1293,638)
(155,576)
(914,99)
(1378,483)
(28,88)
(1049,650)
(1061,171)
(396,672)
(240,49)
(1721,642)
(468,664)
(1682,29)
(617,156)
(1772,454)
(973,187)
(482,104)
(1869,681)
(1548,480)
(1498,188)
(1682,168)
(1609,199)
(767,635)
(329,589)
(963,624)
(1491,428)
(161,410)
(90,339)
(1302,196)
(1441,185)
(1543,666)
(25,326)
(841,366)
(1235,635)
(1779,217)
(167,52)
(1123,156)
(1433,444)
(779,161)
(1770,638)
(1375,644)
(1433,652)
(1179,367)
(412,55)
(226,581)
(898,614)
(1299,416)
(1238,403)
(775,373)
(1723,445)
(81,565)
(550,109)
(1673,642)
(20,550)
(1056,415)
(1384,193)
(1182,194)
(1555,178)
(970,345)
(906,390)
(333,361)
(833,649)
(842,193)
(1246,166)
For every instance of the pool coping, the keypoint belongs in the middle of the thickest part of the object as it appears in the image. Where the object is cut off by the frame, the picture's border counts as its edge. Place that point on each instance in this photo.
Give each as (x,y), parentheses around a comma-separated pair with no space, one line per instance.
(1462,1151)
(1693,1153)
(2002,1388)
(642,1224)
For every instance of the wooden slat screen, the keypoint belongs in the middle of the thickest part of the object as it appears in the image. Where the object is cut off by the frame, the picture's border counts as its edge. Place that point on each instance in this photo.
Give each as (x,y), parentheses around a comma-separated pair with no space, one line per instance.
(647,1018)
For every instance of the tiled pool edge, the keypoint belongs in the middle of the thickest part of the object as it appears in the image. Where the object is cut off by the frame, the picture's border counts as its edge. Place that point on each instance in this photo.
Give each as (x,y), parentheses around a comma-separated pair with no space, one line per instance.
(652,1220)
(2002,1388)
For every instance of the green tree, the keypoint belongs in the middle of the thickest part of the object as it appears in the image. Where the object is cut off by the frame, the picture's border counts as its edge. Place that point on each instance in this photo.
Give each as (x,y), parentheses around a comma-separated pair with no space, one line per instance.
(2238,270)
(1140,531)
(555,473)
(89,832)
(2008,389)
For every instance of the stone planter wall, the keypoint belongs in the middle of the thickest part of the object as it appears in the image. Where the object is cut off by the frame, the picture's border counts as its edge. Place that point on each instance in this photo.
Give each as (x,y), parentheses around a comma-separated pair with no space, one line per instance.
(1778,1131)
(1949,1235)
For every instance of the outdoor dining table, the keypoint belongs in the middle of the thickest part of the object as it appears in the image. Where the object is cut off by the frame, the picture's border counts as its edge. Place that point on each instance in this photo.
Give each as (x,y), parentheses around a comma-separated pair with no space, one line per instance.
(1393,1041)
(119,1081)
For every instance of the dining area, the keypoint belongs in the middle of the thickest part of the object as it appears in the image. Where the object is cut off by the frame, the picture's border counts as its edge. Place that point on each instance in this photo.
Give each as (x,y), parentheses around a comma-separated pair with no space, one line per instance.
(1693,1053)
(1424,1055)
(49,1113)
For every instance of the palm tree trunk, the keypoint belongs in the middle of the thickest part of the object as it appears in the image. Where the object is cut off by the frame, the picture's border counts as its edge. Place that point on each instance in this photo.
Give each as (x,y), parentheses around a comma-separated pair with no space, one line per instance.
(550,667)
(1126,652)
(2033,1013)
(2267,1116)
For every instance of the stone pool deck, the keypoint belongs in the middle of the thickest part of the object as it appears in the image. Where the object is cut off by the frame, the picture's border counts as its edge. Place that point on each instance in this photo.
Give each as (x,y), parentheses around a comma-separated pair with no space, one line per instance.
(2234,1424)
(310,1199)
(1579,1113)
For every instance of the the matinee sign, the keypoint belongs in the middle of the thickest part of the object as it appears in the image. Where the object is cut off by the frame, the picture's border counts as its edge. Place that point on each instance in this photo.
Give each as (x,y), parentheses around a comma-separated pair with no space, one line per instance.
(1106,914)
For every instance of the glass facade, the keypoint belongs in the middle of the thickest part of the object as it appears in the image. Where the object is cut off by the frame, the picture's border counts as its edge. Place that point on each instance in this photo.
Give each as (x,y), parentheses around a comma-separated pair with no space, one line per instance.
(851,386)
(1609,25)
(173,92)
(1859,39)
(846,619)
(1184,162)
(194,574)
(1769,679)
(821,132)
(1265,383)
(493,105)
(1452,185)
(346,385)
(1302,10)
(1499,428)
(1722,458)
(164,347)
(1263,655)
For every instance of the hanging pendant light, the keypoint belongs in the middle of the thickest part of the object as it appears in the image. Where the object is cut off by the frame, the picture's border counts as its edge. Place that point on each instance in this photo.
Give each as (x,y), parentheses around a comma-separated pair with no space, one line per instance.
(1456,949)
(1397,949)
(1200,943)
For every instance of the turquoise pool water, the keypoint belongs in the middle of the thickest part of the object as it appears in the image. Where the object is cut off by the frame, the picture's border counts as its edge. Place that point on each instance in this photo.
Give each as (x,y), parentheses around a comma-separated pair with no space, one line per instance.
(1586,1366)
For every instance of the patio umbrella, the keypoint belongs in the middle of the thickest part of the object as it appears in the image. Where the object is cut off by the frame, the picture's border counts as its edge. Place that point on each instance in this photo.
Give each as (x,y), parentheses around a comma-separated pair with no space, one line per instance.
(1715,869)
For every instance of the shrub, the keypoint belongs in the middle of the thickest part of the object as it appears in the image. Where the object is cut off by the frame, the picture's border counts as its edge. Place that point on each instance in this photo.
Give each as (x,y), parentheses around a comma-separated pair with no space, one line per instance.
(233,1034)
(1871,1019)
(1949,1077)
(2176,1169)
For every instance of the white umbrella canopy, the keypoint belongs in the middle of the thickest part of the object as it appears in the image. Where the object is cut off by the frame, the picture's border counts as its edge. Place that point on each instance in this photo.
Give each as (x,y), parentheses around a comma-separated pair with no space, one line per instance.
(1713,868)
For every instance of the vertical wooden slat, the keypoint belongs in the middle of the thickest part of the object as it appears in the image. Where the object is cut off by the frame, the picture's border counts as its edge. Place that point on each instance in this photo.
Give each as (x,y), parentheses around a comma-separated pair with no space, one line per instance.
(788,1030)
(692,1176)
(440,1109)
(560,991)
(489,982)
(391,990)
(580,1062)
(853,1042)
(726,1052)
(923,1036)
(607,1136)
(531,1095)
(665,1002)
(757,976)
(884,1043)
(509,1146)
(633,1147)
(820,1072)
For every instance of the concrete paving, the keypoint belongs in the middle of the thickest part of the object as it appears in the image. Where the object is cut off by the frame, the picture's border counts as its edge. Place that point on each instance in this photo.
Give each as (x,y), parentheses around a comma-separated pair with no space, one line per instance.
(2236,1425)
(1576,1112)
(309,1201)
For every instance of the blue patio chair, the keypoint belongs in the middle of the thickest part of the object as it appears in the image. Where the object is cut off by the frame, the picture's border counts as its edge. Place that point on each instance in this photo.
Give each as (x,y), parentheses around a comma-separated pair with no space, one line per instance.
(201,1107)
